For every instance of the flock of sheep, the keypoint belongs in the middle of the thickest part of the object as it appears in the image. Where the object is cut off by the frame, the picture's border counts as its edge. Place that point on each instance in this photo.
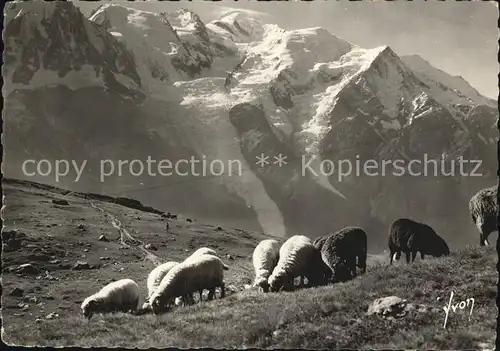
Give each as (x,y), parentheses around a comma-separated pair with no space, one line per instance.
(327,259)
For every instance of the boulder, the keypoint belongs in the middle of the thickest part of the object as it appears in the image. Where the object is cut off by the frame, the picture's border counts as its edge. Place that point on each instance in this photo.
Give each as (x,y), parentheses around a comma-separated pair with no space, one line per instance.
(52,315)
(81,265)
(60,202)
(393,307)
(27,268)
(38,257)
(17,292)
(389,306)
(103,238)
(150,247)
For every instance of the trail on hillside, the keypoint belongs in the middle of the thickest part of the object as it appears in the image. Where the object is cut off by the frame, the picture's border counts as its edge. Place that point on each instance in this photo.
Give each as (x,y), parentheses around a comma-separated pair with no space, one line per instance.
(126,236)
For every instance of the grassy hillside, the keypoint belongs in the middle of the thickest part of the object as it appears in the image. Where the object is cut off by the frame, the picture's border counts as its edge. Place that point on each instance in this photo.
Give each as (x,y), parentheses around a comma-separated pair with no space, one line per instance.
(57,236)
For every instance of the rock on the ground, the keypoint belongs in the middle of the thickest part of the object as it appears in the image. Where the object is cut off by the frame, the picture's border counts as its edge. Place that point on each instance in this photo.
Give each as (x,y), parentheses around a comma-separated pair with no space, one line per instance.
(23,306)
(60,202)
(103,238)
(17,292)
(52,315)
(218,229)
(38,257)
(32,299)
(27,268)
(12,240)
(393,307)
(389,306)
(150,247)
(8,235)
(81,265)
(81,226)
(12,245)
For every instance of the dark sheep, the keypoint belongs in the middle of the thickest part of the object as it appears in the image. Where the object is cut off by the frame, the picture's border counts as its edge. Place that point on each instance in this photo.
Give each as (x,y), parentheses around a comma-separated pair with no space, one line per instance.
(410,237)
(483,209)
(343,251)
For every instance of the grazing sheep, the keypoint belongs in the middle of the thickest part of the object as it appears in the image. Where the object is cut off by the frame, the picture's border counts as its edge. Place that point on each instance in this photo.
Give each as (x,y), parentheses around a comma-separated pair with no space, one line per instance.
(200,251)
(265,257)
(343,251)
(189,276)
(297,258)
(410,237)
(154,279)
(157,274)
(483,208)
(118,296)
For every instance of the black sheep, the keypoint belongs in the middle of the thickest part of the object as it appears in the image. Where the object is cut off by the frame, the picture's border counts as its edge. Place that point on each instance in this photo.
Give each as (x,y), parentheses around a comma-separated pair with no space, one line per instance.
(410,237)
(483,209)
(341,250)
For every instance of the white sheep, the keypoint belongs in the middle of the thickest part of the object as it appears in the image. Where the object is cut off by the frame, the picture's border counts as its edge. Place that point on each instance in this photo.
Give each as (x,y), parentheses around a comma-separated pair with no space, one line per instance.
(204,272)
(119,296)
(154,279)
(201,251)
(265,257)
(157,274)
(297,258)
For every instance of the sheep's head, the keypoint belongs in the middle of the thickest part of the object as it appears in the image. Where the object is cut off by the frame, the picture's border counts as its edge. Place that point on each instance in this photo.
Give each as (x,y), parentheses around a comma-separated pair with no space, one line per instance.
(276,282)
(341,273)
(160,305)
(262,284)
(146,306)
(439,247)
(90,306)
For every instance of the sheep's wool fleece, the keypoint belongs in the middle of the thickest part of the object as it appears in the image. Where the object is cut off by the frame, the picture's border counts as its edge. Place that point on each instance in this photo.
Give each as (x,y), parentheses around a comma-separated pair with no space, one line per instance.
(265,255)
(157,275)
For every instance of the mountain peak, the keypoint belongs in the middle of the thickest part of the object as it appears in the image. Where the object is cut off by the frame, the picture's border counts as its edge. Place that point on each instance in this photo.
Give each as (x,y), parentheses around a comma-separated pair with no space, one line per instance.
(47,42)
(456,89)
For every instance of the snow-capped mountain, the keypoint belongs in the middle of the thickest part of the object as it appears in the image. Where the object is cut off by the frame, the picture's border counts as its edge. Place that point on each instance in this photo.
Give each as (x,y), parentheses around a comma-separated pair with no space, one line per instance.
(54,44)
(166,85)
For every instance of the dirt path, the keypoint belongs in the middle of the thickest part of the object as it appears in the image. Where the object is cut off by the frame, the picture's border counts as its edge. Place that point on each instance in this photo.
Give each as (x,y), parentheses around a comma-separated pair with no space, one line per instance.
(125,236)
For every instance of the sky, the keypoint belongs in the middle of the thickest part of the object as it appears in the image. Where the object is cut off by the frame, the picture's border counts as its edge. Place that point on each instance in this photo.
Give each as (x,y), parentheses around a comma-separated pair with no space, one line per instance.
(460,38)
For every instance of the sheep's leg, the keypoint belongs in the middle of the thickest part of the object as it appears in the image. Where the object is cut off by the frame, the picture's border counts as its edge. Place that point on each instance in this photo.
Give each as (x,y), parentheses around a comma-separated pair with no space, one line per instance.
(211,294)
(407,257)
(301,283)
(422,255)
(289,285)
(391,257)
(352,264)
(201,295)
(222,290)
(133,306)
(413,255)
(188,299)
(363,268)
(483,237)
